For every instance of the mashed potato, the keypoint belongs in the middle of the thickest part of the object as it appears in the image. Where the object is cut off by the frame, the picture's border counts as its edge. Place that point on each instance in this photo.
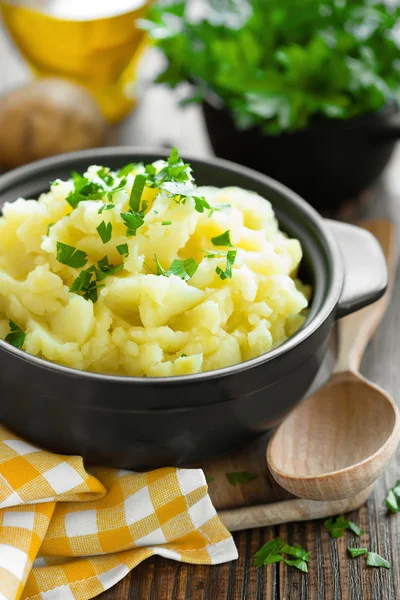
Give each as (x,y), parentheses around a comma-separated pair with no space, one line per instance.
(140,272)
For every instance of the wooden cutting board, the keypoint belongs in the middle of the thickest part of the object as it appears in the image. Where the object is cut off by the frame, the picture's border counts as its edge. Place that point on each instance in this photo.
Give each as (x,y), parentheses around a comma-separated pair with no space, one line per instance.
(262,502)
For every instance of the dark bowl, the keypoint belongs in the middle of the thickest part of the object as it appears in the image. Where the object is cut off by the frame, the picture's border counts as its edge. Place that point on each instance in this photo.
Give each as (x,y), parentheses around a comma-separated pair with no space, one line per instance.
(141,423)
(327,163)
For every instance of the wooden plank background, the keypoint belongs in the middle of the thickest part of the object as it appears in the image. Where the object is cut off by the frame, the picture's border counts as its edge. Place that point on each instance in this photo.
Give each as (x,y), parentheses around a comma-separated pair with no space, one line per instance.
(332,576)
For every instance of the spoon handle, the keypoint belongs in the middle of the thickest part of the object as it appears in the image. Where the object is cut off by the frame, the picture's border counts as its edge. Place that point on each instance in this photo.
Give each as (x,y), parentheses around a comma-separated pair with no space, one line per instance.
(356,330)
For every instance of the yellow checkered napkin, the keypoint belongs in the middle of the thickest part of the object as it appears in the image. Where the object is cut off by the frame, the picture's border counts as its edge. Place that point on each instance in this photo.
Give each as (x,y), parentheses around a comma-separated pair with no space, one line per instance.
(68,535)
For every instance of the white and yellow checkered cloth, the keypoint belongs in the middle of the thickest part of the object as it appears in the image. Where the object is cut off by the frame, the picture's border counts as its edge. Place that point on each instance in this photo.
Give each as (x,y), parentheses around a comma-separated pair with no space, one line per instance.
(69,535)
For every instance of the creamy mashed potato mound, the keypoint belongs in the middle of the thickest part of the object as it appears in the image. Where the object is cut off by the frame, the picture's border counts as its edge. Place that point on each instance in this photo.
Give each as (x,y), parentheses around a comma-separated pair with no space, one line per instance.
(194,279)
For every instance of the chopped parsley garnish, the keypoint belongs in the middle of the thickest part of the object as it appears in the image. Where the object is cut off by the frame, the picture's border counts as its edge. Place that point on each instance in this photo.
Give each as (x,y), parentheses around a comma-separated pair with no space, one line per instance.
(105,207)
(54,183)
(16,337)
(123,249)
(223,239)
(373,559)
(86,284)
(105,231)
(70,256)
(208,478)
(174,171)
(240,477)
(126,170)
(120,186)
(393,498)
(185,269)
(230,260)
(174,157)
(272,552)
(354,552)
(104,174)
(166,223)
(137,191)
(104,269)
(49,226)
(132,221)
(200,204)
(84,190)
(340,525)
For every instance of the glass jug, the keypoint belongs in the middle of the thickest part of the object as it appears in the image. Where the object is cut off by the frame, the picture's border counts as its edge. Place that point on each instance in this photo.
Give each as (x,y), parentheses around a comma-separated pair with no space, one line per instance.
(94,43)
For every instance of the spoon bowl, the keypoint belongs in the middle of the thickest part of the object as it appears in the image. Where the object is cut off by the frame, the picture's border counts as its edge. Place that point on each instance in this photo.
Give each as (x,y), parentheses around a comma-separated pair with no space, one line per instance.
(337,442)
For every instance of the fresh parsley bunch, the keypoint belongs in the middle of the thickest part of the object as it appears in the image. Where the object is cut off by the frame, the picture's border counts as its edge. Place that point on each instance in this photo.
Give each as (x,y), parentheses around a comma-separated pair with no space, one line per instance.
(279,63)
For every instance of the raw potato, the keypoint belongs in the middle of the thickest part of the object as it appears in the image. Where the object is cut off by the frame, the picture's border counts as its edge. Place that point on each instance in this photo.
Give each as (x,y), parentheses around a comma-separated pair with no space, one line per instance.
(47,117)
(145,324)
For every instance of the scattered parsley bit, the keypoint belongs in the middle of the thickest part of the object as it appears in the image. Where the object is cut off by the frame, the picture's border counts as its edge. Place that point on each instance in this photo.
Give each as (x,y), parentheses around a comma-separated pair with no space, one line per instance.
(223,239)
(123,249)
(340,525)
(230,260)
(104,269)
(183,355)
(354,552)
(16,337)
(55,183)
(209,479)
(105,207)
(393,498)
(269,553)
(105,231)
(137,191)
(174,171)
(104,174)
(84,190)
(132,221)
(49,226)
(121,186)
(240,477)
(174,156)
(200,204)
(375,560)
(272,552)
(166,223)
(70,256)
(126,170)
(81,283)
(185,269)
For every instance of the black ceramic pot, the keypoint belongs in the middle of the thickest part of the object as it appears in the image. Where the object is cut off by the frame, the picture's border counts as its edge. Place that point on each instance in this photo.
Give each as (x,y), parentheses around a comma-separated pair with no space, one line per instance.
(327,163)
(142,423)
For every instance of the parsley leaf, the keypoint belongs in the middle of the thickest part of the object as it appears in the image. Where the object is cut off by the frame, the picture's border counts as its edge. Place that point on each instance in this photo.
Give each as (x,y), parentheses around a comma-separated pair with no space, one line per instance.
(166,223)
(354,552)
(105,231)
(84,190)
(104,174)
(123,249)
(121,186)
(49,226)
(16,337)
(185,269)
(126,170)
(222,240)
(70,256)
(208,478)
(375,560)
(393,498)
(174,157)
(269,553)
(230,260)
(200,203)
(105,207)
(340,525)
(296,551)
(132,221)
(299,563)
(104,269)
(81,283)
(240,477)
(137,191)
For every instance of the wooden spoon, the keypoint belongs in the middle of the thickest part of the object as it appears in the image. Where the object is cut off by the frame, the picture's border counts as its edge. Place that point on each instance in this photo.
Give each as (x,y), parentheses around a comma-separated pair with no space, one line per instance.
(337,442)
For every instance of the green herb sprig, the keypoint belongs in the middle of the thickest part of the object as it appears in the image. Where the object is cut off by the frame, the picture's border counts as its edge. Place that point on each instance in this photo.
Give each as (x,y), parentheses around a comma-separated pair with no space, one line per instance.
(17,336)
(373,559)
(70,256)
(272,553)
(338,526)
(393,498)
(185,269)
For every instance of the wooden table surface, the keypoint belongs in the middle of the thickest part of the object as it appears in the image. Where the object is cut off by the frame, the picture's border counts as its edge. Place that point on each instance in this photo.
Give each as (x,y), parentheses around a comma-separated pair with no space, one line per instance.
(332,576)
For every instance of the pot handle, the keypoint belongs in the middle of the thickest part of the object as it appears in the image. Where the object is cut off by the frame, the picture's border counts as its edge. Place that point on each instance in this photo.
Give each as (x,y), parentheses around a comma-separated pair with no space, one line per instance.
(388,129)
(365,268)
